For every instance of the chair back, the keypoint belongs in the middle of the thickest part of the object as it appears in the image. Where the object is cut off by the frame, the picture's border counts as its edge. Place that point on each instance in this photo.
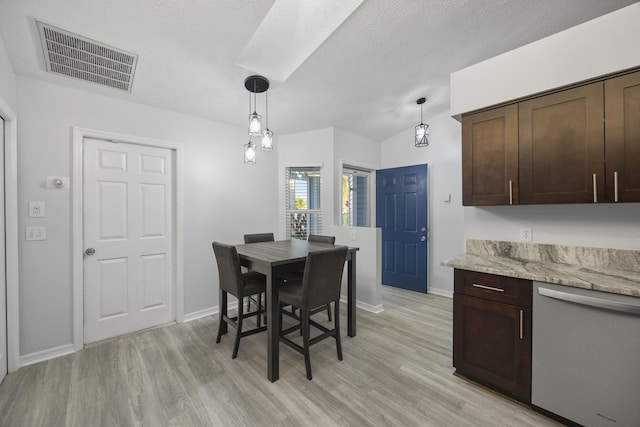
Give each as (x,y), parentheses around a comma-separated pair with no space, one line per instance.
(321,239)
(323,276)
(228,268)
(258,237)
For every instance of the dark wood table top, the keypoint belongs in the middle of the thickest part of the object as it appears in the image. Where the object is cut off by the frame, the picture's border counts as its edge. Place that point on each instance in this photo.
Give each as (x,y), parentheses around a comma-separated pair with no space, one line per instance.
(282,251)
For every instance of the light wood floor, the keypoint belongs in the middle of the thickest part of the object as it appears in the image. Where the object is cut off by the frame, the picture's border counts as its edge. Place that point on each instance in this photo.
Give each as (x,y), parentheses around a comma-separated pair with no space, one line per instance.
(396,371)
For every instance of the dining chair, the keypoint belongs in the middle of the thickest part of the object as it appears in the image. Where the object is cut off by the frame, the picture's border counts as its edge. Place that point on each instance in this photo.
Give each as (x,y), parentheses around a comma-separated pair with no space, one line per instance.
(233,281)
(322,239)
(319,286)
(257,238)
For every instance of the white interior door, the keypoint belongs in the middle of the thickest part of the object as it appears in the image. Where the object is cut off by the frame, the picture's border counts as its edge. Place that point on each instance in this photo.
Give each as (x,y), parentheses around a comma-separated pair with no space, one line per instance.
(3,276)
(128,238)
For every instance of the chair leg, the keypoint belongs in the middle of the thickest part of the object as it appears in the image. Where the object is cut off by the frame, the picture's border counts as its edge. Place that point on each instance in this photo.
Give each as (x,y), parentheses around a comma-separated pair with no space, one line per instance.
(305,314)
(238,329)
(336,316)
(222,324)
(259,316)
(329,312)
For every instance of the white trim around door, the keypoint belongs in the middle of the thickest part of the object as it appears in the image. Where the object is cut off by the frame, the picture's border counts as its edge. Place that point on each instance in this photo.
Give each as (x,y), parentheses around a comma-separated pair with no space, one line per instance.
(77,216)
(11,234)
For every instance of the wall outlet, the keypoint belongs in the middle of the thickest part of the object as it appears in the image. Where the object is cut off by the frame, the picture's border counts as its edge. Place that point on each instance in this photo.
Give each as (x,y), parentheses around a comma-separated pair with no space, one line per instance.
(353,234)
(525,234)
(35,233)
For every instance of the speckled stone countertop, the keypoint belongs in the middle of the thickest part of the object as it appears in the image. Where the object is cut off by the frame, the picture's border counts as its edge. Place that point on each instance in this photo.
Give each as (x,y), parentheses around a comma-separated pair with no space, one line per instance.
(607,270)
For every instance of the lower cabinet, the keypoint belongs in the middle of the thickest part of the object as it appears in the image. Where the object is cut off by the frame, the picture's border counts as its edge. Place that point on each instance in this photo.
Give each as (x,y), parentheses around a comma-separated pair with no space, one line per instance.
(492,331)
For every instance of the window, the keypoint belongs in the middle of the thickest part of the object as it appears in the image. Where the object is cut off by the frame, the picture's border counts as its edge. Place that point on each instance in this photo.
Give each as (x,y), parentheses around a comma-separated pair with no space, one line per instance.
(355,197)
(303,202)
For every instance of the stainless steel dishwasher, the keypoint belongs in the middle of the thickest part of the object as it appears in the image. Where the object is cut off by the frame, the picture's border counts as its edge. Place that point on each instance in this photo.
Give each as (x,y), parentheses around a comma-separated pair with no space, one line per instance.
(586,355)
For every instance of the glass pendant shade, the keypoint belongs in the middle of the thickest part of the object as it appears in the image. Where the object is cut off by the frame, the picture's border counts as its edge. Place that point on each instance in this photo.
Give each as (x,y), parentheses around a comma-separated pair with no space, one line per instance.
(267,140)
(255,124)
(422,135)
(250,153)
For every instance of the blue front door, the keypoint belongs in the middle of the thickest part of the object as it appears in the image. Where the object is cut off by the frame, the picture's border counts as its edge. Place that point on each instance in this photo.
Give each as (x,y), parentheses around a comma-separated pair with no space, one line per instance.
(401,212)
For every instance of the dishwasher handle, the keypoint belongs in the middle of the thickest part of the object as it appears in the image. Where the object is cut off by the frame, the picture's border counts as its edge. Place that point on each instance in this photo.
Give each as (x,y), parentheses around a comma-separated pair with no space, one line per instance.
(590,301)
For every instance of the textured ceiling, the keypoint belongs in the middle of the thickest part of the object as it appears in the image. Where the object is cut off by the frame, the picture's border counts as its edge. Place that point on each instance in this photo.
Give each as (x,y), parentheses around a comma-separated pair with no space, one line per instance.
(365,78)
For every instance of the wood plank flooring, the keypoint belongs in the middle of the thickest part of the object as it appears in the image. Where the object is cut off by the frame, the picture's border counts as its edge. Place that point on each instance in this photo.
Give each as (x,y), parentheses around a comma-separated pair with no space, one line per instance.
(396,372)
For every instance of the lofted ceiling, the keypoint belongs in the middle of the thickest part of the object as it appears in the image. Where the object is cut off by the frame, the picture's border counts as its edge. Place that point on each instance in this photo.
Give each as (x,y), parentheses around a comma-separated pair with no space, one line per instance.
(364,78)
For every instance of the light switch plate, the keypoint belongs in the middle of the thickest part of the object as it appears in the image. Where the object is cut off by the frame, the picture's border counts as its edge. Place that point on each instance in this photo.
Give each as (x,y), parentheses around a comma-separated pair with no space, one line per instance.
(35,233)
(353,234)
(36,209)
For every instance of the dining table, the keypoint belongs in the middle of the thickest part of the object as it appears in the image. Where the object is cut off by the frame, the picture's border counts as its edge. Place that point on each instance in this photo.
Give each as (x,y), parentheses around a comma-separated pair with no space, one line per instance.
(275,258)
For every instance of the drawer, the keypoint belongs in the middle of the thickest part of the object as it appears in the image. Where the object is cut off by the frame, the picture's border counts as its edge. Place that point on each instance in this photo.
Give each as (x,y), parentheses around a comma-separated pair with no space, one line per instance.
(507,290)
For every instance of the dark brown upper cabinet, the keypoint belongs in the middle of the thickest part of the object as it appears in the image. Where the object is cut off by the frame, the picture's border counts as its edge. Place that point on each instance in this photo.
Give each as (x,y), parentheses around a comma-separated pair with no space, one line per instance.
(578,145)
(490,157)
(561,141)
(622,140)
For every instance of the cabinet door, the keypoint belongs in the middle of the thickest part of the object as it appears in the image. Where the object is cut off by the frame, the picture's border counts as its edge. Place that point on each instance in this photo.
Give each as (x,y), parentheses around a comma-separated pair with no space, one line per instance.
(622,138)
(561,146)
(492,344)
(490,157)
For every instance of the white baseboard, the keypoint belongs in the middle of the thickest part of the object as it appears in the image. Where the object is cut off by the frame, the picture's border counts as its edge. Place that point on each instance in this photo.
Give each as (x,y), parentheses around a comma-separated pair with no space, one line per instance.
(201,313)
(363,305)
(441,292)
(50,353)
(232,305)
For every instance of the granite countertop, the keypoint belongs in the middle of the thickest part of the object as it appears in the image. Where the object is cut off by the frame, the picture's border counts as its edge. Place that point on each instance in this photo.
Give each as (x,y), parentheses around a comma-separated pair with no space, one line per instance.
(607,270)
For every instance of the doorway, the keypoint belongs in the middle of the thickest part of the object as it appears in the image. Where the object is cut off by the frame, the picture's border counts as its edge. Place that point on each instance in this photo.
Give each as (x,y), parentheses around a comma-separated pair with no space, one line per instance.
(401,213)
(128,244)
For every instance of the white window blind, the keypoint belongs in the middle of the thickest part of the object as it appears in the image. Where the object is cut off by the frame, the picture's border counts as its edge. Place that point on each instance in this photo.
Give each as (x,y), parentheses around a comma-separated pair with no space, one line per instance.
(303,198)
(355,211)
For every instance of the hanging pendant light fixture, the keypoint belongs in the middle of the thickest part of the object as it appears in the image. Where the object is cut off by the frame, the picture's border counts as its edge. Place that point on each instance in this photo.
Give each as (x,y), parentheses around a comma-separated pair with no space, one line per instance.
(257,84)
(267,135)
(250,153)
(422,130)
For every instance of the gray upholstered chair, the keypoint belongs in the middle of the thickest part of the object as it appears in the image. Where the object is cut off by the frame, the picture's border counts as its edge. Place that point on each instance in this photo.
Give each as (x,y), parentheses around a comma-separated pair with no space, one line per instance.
(322,239)
(257,238)
(240,285)
(319,286)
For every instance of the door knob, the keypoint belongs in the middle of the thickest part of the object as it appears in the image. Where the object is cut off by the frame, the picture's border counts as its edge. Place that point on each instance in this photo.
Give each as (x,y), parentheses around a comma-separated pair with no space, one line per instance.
(424,229)
(90,251)
(423,238)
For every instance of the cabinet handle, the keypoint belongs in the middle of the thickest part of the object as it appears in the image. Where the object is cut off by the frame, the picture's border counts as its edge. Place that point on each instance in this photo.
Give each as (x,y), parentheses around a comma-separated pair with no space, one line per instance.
(615,186)
(510,192)
(595,190)
(521,318)
(490,288)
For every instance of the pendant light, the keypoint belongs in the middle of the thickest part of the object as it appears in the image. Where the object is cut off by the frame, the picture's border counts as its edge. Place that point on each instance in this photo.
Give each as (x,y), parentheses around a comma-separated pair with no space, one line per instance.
(250,153)
(255,85)
(422,130)
(267,135)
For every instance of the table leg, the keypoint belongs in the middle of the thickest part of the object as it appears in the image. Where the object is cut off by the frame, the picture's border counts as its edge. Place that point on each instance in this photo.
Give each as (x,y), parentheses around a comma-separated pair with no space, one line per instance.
(351,296)
(273,334)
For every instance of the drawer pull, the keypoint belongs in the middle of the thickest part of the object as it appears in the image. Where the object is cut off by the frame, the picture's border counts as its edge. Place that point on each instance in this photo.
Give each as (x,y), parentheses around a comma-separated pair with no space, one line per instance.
(489,288)
(615,186)
(595,190)
(521,316)
(510,192)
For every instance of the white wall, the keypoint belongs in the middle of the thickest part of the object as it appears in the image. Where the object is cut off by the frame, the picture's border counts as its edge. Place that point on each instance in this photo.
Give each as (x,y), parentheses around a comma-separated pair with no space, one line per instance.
(312,148)
(328,147)
(443,156)
(601,46)
(7,78)
(223,198)
(605,225)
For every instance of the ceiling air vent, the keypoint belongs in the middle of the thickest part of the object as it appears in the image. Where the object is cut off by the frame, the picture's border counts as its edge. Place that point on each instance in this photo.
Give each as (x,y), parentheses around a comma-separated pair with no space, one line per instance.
(85,59)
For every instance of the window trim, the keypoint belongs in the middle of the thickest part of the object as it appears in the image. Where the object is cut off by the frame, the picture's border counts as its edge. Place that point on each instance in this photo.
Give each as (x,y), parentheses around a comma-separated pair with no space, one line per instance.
(371,201)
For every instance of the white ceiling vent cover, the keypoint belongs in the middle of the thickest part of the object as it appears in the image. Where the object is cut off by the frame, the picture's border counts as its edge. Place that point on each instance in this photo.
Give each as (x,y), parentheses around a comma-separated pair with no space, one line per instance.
(85,59)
